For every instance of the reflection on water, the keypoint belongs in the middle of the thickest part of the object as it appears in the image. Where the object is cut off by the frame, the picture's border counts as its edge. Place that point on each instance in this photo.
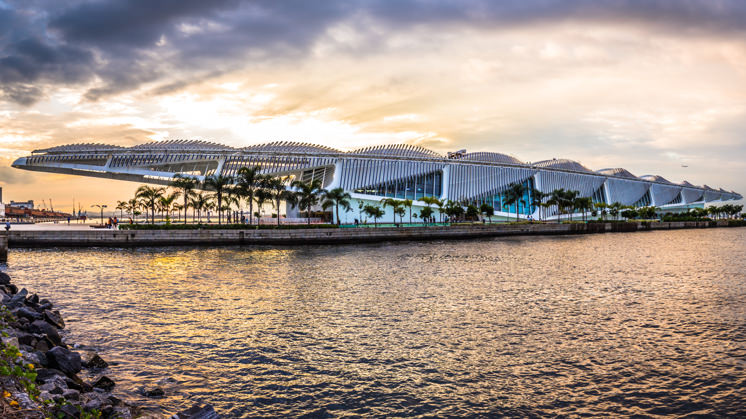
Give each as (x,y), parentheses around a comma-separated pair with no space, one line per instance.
(616,324)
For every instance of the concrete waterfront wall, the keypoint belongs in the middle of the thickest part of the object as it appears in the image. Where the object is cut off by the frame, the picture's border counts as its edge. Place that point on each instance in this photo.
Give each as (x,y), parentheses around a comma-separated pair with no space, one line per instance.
(125,238)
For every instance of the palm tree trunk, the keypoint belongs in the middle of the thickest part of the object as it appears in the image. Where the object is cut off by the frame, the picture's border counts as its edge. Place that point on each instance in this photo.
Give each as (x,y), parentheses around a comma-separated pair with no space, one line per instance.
(251,209)
(337,211)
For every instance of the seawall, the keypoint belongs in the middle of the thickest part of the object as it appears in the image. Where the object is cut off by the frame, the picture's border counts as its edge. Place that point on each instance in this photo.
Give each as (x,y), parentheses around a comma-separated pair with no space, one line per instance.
(131,238)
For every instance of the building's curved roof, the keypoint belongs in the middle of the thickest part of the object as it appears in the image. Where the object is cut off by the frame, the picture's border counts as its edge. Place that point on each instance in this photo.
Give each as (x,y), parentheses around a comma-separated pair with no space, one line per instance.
(290,147)
(618,172)
(708,188)
(489,157)
(563,164)
(182,145)
(685,183)
(80,148)
(398,150)
(656,178)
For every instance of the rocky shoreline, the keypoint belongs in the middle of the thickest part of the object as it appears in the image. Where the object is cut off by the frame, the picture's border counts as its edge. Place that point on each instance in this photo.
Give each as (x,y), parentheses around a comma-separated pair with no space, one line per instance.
(40,372)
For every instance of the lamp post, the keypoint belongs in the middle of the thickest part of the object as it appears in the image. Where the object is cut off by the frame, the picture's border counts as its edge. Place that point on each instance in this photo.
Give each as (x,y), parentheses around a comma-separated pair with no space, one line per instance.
(102,206)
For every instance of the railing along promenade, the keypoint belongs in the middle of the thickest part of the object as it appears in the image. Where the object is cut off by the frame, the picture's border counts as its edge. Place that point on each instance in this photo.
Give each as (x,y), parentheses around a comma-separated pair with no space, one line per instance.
(207,237)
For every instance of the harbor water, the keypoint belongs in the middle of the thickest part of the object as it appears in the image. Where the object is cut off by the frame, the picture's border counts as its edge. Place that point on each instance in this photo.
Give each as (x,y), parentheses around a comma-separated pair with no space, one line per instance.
(650,323)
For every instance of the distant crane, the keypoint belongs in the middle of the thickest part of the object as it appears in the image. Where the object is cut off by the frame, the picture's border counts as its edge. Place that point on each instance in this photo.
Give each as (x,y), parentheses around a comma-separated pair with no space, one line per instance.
(43,204)
(51,207)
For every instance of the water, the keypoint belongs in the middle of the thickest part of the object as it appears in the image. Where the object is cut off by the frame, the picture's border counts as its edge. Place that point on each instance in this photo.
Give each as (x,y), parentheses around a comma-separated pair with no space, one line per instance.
(619,324)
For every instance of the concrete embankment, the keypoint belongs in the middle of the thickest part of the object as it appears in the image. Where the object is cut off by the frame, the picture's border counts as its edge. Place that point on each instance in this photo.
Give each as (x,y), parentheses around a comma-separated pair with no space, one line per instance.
(128,238)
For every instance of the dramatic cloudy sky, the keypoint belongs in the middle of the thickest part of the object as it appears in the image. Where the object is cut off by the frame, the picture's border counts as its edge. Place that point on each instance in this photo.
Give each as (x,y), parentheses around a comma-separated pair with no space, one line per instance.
(649,85)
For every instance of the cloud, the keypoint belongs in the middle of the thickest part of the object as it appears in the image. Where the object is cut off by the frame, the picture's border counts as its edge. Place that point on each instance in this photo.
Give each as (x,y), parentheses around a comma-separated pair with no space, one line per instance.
(118,46)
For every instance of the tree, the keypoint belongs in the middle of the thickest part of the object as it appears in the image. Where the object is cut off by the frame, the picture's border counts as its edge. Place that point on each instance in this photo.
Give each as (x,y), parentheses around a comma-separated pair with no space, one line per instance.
(601,208)
(133,205)
(374,212)
(514,195)
(583,204)
(186,186)
(614,210)
(407,203)
(149,196)
(307,195)
(121,206)
(487,210)
(337,197)
(276,190)
(537,199)
(629,214)
(167,201)
(426,213)
(453,210)
(396,206)
(431,200)
(249,182)
(218,184)
(472,212)
(200,202)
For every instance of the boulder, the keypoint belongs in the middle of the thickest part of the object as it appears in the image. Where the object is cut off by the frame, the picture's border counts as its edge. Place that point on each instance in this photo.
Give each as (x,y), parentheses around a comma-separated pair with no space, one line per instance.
(26,339)
(64,360)
(105,383)
(40,326)
(92,360)
(71,394)
(17,300)
(26,313)
(46,374)
(54,318)
(197,412)
(155,393)
(4,278)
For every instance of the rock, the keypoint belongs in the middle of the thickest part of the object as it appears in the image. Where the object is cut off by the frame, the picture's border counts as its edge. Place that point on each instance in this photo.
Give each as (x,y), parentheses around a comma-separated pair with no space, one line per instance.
(45,374)
(4,278)
(12,340)
(17,300)
(92,360)
(64,360)
(70,394)
(13,288)
(115,401)
(69,411)
(197,412)
(154,393)
(105,383)
(107,412)
(75,383)
(43,345)
(26,339)
(33,299)
(27,313)
(54,318)
(40,326)
(45,306)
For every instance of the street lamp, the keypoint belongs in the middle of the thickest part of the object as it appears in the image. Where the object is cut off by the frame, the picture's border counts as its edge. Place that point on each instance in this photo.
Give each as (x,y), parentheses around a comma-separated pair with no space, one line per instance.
(102,206)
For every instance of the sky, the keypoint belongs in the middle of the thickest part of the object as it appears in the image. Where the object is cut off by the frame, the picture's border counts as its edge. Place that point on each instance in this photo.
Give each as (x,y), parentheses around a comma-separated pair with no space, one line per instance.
(654,86)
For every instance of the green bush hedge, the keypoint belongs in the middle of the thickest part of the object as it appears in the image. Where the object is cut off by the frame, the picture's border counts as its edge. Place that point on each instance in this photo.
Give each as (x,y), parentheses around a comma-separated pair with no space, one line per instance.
(222,226)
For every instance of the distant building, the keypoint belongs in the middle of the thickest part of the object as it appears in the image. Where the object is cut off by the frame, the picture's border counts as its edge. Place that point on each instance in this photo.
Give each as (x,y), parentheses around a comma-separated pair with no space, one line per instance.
(373,173)
(25,204)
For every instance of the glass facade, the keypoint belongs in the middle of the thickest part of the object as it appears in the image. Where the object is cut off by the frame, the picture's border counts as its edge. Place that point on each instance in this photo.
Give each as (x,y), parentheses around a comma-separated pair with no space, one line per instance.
(599,196)
(524,205)
(414,188)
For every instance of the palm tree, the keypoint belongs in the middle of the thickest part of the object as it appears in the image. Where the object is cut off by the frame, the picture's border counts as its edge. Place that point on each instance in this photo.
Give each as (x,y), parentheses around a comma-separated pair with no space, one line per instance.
(431,200)
(426,213)
(584,204)
(200,202)
(167,201)
(219,183)
(132,207)
(149,196)
(514,195)
(373,211)
(186,186)
(487,210)
(121,206)
(336,197)
(277,192)
(395,204)
(407,203)
(248,184)
(307,195)
(537,199)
